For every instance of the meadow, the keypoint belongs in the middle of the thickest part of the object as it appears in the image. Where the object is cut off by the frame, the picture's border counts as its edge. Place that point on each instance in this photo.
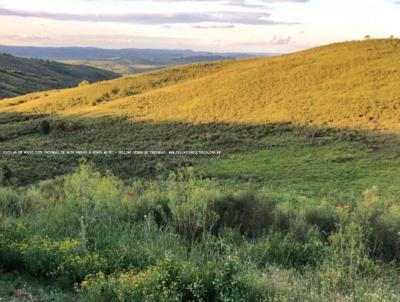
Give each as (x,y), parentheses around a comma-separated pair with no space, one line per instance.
(301,205)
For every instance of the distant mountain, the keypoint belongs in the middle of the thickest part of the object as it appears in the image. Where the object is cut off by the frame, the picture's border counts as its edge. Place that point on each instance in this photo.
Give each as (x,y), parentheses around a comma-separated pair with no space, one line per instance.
(123,61)
(85,53)
(19,76)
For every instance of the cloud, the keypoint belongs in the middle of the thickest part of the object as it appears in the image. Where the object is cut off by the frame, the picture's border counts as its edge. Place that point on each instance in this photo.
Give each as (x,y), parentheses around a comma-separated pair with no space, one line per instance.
(280,40)
(104,41)
(24,38)
(248,18)
(238,3)
(213,26)
(275,41)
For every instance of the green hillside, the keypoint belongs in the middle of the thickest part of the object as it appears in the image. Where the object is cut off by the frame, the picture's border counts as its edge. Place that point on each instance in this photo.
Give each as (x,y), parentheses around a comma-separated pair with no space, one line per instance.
(321,121)
(302,203)
(20,76)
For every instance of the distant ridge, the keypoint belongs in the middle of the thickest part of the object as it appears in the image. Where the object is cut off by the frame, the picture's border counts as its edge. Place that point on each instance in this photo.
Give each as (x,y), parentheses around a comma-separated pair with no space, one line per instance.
(19,76)
(83,53)
(123,61)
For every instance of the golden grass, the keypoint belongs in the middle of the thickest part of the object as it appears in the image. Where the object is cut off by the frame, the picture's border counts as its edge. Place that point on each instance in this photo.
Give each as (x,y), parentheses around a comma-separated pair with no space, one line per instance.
(345,85)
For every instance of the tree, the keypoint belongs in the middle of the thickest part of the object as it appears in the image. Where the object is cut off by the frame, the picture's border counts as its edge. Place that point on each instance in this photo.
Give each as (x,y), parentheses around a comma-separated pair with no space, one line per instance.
(367,37)
(44,127)
(84,83)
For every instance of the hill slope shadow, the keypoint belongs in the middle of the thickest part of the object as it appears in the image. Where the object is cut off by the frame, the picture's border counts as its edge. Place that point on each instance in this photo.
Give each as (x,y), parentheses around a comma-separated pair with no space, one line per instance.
(277,154)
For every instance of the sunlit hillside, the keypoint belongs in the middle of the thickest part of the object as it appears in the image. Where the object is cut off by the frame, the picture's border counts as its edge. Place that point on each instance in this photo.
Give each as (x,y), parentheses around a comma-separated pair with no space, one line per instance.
(353,84)
(301,122)
(299,202)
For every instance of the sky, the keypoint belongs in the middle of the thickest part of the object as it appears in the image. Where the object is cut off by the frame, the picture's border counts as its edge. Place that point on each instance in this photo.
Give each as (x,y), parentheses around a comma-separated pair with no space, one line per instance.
(217,25)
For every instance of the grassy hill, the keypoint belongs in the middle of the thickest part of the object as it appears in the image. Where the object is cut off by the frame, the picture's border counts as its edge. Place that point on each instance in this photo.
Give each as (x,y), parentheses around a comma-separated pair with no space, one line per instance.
(301,204)
(20,75)
(320,121)
(343,85)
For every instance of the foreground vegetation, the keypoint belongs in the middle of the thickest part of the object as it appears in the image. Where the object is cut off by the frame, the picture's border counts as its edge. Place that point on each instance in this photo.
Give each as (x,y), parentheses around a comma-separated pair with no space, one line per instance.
(181,238)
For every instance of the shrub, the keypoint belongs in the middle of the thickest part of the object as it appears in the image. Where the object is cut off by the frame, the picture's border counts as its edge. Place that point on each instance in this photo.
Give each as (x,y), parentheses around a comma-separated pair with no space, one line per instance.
(84,83)
(386,234)
(10,258)
(324,217)
(5,173)
(33,200)
(151,204)
(64,125)
(9,202)
(251,214)
(44,127)
(349,248)
(66,261)
(171,280)
(115,90)
(383,218)
(280,249)
(192,217)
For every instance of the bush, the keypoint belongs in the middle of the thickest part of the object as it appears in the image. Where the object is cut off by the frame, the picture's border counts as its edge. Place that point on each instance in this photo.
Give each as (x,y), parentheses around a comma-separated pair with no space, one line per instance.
(383,218)
(324,217)
(171,280)
(33,200)
(10,258)
(5,174)
(281,250)
(151,204)
(9,202)
(44,127)
(386,234)
(193,216)
(249,213)
(104,98)
(115,90)
(66,261)
(84,83)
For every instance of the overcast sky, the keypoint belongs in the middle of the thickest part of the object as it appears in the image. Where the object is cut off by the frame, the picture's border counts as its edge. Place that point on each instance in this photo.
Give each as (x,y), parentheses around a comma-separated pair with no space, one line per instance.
(218,25)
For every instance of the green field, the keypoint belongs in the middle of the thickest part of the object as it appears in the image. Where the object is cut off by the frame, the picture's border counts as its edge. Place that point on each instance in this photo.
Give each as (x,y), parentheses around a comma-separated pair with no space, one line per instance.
(283,158)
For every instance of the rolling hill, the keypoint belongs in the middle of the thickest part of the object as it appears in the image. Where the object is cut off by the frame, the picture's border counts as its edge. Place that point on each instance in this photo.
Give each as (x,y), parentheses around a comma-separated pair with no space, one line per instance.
(343,85)
(20,75)
(319,120)
(301,203)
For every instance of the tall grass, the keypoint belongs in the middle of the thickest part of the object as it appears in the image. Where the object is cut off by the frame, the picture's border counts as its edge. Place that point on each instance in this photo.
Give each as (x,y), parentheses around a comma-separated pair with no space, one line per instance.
(180,238)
